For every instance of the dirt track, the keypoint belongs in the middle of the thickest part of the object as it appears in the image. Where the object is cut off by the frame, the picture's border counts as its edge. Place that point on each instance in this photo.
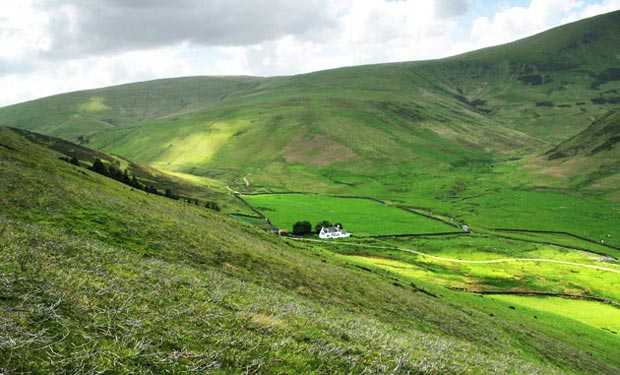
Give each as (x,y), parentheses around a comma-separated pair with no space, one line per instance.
(505,260)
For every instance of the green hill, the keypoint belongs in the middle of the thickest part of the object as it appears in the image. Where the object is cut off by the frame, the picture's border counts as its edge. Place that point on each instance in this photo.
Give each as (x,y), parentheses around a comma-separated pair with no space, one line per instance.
(601,136)
(99,277)
(295,132)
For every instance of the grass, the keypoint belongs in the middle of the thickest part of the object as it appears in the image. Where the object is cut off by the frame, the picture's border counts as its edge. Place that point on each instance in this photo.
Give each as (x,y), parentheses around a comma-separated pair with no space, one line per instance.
(595,314)
(362,217)
(95,104)
(489,264)
(97,277)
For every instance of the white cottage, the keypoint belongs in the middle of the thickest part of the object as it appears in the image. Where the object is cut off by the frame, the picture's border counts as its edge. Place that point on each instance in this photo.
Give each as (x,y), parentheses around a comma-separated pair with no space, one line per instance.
(333,232)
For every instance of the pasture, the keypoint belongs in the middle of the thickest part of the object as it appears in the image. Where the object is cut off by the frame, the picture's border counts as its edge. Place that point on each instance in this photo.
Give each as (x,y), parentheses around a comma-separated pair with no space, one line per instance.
(493,266)
(362,217)
(595,314)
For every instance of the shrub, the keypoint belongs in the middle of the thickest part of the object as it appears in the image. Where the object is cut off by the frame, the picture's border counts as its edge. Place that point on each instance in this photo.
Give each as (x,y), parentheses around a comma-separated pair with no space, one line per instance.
(302,228)
(212,205)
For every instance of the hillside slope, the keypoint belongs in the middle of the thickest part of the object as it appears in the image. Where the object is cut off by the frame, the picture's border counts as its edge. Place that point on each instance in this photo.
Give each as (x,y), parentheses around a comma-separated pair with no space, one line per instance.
(99,277)
(602,135)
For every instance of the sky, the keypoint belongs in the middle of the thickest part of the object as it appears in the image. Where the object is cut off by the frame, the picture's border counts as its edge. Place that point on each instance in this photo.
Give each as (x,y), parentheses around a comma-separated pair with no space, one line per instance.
(54,46)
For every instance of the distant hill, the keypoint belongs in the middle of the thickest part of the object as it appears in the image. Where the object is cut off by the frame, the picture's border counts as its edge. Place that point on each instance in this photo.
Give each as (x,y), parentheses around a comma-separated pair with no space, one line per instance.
(461,137)
(500,102)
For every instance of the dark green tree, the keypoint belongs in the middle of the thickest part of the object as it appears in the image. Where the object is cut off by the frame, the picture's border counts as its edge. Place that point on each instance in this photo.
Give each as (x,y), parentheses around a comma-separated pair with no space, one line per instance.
(302,228)
(125,178)
(321,224)
(99,167)
(137,184)
(212,205)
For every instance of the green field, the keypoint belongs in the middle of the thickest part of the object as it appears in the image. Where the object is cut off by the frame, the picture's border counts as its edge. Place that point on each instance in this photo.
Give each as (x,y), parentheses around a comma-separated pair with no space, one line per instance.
(595,314)
(488,264)
(362,217)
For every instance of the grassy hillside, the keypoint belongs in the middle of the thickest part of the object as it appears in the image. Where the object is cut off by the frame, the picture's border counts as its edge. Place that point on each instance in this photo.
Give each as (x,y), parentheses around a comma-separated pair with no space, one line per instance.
(199,190)
(99,277)
(601,136)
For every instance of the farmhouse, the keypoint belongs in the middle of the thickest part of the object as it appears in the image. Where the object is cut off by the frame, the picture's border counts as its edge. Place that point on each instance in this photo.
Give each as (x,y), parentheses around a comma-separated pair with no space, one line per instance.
(333,232)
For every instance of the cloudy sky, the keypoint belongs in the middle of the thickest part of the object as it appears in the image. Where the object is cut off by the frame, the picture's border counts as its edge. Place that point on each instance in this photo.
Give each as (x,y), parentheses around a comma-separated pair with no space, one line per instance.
(54,46)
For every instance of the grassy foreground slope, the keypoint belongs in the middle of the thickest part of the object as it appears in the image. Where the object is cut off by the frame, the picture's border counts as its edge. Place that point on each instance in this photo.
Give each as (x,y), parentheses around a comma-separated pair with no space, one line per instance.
(98,277)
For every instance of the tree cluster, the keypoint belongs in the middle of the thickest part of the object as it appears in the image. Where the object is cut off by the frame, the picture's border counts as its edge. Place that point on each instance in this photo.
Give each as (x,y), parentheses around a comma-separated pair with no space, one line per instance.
(208,204)
(124,177)
(212,206)
(112,171)
(72,160)
(304,228)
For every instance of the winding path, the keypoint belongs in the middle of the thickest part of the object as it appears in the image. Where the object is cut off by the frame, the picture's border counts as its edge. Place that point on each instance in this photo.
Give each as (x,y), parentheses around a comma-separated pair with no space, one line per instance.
(505,260)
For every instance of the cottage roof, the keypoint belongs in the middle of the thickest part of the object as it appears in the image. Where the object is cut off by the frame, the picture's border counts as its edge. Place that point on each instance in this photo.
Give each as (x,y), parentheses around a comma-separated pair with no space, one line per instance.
(332,229)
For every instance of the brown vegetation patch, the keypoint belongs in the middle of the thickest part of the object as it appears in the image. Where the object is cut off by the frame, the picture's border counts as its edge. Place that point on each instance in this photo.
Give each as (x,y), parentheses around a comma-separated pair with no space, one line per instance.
(342,103)
(451,268)
(267,320)
(229,267)
(320,151)
(613,197)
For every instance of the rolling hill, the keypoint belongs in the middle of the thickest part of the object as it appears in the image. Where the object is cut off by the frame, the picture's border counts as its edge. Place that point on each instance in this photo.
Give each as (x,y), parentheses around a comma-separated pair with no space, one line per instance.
(291,132)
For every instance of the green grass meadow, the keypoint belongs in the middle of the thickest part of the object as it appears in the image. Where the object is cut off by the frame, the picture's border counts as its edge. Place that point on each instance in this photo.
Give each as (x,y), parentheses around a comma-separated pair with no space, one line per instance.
(595,314)
(362,217)
(484,263)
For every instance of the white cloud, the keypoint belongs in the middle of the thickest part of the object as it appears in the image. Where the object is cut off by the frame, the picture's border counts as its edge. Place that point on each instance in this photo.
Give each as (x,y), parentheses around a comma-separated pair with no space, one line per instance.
(103,26)
(451,8)
(22,30)
(94,72)
(368,32)
(235,62)
(601,8)
(518,22)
